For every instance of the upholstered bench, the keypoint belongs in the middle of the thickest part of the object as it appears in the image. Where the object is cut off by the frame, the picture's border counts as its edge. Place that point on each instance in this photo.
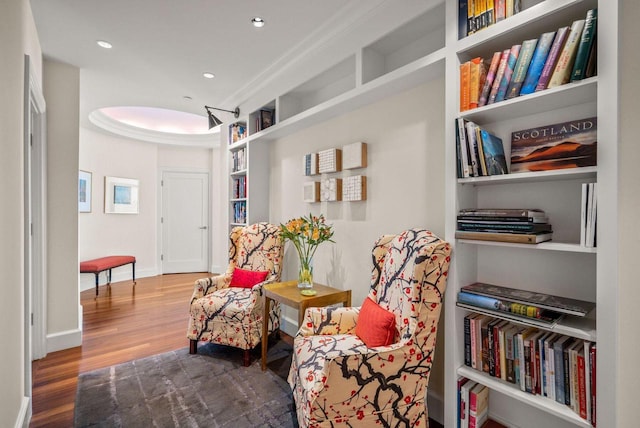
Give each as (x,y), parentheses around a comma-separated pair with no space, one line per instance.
(96,266)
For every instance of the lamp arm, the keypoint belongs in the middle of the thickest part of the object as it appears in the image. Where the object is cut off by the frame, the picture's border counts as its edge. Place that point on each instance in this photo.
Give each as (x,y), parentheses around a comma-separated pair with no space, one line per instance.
(236,112)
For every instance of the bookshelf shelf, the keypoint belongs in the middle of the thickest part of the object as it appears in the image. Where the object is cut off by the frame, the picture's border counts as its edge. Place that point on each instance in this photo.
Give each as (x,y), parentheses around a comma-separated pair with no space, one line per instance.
(542,403)
(531,177)
(567,95)
(545,246)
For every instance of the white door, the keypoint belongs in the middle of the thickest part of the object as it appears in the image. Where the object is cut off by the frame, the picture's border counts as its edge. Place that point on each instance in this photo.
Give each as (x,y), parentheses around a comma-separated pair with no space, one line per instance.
(185,222)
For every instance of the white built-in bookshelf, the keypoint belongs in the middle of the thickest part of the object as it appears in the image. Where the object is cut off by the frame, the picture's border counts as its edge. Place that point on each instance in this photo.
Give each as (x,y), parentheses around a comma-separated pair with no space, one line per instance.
(560,266)
(423,45)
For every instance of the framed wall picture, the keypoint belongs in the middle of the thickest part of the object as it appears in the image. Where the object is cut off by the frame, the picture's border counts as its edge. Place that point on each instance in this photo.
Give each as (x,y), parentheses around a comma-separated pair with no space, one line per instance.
(120,195)
(84,191)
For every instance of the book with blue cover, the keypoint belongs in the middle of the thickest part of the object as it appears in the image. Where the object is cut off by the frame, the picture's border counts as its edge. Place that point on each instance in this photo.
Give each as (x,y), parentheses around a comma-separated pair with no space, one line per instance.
(494,157)
(508,72)
(537,63)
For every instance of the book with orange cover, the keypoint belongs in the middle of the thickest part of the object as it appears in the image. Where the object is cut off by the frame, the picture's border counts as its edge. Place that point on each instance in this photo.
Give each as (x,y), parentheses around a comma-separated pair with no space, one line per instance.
(465,80)
(478,74)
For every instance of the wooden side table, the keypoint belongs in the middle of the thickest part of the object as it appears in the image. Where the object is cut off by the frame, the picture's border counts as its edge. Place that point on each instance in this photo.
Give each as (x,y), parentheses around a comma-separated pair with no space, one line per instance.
(288,293)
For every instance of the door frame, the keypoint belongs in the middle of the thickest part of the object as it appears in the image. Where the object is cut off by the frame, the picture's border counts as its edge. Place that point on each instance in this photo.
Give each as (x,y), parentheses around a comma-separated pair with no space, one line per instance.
(164,170)
(35,222)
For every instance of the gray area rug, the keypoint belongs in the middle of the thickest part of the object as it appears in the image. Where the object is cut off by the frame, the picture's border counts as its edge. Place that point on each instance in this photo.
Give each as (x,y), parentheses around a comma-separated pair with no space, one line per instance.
(175,389)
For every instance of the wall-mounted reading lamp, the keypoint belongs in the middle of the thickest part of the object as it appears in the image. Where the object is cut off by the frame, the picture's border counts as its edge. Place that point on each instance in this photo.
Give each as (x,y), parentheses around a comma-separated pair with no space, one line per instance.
(214,121)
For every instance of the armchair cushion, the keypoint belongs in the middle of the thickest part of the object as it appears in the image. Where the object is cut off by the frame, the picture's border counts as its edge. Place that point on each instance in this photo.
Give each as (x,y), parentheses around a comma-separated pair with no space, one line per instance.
(376,326)
(247,278)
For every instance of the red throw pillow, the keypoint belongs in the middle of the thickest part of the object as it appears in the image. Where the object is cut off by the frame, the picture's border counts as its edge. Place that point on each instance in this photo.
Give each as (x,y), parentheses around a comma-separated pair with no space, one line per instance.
(247,278)
(376,326)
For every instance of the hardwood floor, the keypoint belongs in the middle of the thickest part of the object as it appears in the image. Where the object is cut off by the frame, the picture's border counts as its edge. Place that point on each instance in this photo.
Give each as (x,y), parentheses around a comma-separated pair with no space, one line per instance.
(119,326)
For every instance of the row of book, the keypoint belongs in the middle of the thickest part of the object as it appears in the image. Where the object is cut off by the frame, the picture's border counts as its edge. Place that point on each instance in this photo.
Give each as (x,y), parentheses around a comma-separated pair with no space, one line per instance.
(473,403)
(239,187)
(475,15)
(588,215)
(238,160)
(553,59)
(525,226)
(559,367)
(239,212)
(237,131)
(479,152)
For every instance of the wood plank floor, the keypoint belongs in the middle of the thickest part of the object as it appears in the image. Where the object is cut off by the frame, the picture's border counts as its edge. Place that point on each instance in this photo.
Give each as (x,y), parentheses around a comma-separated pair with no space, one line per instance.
(119,326)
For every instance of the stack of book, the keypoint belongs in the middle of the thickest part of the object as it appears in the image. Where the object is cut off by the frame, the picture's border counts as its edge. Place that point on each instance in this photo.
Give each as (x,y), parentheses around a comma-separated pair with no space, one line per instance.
(476,15)
(516,225)
(566,55)
(473,403)
(480,152)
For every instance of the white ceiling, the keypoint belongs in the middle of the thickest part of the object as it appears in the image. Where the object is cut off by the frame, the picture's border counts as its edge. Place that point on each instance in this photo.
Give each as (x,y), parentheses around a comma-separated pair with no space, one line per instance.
(162,47)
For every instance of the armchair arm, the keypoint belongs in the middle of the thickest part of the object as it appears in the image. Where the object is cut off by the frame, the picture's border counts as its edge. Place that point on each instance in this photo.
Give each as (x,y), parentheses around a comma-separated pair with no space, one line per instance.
(205,286)
(329,321)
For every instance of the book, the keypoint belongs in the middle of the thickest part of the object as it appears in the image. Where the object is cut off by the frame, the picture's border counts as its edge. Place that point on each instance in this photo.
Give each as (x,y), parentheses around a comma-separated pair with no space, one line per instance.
(569,144)
(506,227)
(500,212)
(552,58)
(584,47)
(467,339)
(500,219)
(510,316)
(515,238)
(521,67)
(462,19)
(491,18)
(514,52)
(493,151)
(562,72)
(551,302)
(474,152)
(478,405)
(592,62)
(465,81)
(471,23)
(499,10)
(545,317)
(478,74)
(480,14)
(481,160)
(266,118)
(491,75)
(502,65)
(537,63)
(464,398)
(465,155)
(460,410)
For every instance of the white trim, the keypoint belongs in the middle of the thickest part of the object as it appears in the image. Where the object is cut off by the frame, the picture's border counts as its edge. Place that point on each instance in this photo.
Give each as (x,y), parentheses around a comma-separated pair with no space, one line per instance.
(65,339)
(106,123)
(24,414)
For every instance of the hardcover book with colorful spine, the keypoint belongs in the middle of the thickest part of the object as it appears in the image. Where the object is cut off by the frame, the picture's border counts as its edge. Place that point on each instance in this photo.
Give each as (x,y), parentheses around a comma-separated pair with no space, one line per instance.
(499,74)
(521,67)
(570,144)
(584,47)
(562,72)
(552,58)
(537,63)
(508,72)
(488,82)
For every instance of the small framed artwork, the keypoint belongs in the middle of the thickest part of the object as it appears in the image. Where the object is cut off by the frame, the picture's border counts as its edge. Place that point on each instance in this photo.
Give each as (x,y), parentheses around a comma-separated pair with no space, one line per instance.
(311,191)
(120,195)
(354,155)
(84,191)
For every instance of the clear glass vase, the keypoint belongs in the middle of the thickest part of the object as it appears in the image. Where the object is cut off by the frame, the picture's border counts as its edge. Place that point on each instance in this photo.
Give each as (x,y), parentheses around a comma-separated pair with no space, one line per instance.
(305,274)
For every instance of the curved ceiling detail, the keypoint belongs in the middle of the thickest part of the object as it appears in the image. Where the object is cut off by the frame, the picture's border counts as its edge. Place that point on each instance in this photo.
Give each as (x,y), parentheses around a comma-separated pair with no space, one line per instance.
(156,125)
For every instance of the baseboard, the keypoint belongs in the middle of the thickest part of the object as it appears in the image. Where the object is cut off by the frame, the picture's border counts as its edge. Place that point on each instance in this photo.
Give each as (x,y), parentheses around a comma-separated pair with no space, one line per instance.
(289,325)
(64,340)
(88,280)
(435,404)
(24,414)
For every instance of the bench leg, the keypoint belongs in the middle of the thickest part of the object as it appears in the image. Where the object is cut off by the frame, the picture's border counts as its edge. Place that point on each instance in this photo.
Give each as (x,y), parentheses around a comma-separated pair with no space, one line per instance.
(193,346)
(246,358)
(133,266)
(97,277)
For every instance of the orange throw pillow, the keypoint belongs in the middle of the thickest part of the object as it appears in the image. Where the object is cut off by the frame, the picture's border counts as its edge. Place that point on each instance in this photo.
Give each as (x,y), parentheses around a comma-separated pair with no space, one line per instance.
(376,326)
(247,278)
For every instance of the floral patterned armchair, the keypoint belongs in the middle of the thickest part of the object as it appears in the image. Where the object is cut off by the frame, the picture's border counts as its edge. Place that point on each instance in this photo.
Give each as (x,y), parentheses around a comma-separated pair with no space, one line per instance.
(337,380)
(229,315)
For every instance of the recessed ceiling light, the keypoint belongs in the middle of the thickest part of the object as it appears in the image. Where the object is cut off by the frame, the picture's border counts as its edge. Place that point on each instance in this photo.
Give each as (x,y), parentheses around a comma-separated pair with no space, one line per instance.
(257,22)
(209,75)
(104,44)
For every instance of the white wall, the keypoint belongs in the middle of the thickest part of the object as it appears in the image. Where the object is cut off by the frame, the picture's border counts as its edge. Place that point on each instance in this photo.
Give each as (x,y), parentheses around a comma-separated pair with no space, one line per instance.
(628,208)
(405,187)
(103,234)
(61,88)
